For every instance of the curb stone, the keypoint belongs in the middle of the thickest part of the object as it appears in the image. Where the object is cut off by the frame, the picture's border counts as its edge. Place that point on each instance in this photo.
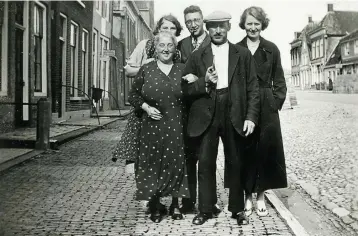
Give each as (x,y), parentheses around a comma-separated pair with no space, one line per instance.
(346,216)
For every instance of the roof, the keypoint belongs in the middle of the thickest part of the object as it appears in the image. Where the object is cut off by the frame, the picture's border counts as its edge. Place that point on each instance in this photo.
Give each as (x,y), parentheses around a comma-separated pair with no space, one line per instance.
(309,27)
(335,57)
(340,22)
(350,36)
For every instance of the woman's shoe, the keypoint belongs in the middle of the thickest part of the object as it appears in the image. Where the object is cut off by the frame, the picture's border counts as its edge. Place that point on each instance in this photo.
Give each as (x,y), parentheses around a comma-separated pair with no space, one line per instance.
(175,213)
(262,212)
(156,216)
(248,212)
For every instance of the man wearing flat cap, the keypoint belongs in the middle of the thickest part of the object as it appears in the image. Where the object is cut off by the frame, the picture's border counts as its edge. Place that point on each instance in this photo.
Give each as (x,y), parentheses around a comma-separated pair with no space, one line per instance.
(224,103)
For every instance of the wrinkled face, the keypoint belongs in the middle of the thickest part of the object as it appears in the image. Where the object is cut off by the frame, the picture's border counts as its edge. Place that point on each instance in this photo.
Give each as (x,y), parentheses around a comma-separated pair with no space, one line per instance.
(165,49)
(253,27)
(168,26)
(218,31)
(195,24)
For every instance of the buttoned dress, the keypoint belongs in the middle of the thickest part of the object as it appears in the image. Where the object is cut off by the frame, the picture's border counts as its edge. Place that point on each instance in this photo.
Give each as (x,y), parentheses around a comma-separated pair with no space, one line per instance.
(161,165)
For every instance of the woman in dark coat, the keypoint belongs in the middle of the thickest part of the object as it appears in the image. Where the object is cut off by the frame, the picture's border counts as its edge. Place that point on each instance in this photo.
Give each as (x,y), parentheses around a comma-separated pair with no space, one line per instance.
(265,162)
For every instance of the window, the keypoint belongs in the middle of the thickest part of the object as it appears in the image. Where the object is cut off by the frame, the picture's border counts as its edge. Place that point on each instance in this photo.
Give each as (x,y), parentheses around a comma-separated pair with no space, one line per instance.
(313,50)
(40,57)
(321,48)
(105,9)
(97,5)
(356,46)
(3,47)
(104,66)
(317,49)
(85,61)
(346,49)
(95,59)
(74,58)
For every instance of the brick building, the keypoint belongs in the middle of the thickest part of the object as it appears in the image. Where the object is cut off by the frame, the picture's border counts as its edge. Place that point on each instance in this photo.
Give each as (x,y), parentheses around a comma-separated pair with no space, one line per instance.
(133,21)
(26,57)
(71,39)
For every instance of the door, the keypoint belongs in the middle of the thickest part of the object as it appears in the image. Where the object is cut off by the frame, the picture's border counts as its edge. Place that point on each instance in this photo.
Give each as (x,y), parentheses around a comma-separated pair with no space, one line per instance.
(21,64)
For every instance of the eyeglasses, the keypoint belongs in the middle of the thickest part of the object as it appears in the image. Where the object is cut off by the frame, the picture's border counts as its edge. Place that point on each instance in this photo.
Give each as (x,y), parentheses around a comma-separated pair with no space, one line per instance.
(191,22)
(163,46)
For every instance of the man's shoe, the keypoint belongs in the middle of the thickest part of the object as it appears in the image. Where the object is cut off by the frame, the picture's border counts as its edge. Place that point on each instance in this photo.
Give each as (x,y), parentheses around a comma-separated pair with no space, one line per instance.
(216,211)
(201,218)
(241,218)
(156,216)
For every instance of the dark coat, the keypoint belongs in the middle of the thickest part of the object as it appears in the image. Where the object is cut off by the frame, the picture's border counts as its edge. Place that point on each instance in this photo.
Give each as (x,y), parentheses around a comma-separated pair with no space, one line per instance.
(244,100)
(186,48)
(265,165)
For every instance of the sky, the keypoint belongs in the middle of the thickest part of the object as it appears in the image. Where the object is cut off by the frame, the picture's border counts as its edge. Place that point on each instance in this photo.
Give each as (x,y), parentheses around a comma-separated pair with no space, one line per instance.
(286,17)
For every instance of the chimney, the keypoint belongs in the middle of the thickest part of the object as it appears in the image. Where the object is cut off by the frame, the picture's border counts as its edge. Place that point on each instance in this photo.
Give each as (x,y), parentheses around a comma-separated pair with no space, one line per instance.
(310,19)
(330,7)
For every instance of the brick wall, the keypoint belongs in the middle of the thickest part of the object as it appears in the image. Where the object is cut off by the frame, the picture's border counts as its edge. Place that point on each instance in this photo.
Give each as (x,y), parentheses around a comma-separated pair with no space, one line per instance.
(84,18)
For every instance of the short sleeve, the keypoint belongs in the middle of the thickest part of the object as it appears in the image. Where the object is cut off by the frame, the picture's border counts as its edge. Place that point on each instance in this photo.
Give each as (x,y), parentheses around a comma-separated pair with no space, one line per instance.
(138,55)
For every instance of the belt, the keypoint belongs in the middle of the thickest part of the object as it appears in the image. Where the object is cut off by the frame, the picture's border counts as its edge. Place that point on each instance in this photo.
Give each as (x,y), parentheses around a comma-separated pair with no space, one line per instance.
(222,91)
(263,84)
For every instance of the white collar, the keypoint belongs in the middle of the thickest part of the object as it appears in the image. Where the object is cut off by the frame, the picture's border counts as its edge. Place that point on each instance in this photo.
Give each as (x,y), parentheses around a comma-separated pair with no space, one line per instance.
(200,38)
(224,45)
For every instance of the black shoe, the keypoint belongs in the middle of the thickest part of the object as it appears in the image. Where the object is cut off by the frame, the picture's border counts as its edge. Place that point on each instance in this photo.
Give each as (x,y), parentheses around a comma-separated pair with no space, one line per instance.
(187,208)
(216,211)
(160,207)
(175,212)
(156,216)
(201,218)
(241,218)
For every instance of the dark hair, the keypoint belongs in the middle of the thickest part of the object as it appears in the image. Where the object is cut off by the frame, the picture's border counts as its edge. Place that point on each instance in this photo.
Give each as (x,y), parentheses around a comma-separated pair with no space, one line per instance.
(256,12)
(172,19)
(192,9)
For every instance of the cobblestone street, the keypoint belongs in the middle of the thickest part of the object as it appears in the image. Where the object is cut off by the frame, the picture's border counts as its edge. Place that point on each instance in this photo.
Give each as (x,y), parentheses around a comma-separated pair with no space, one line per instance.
(321,140)
(78,190)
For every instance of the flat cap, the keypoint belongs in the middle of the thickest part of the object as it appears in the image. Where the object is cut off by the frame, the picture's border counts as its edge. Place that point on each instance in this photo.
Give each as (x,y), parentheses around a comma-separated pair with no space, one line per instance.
(217,16)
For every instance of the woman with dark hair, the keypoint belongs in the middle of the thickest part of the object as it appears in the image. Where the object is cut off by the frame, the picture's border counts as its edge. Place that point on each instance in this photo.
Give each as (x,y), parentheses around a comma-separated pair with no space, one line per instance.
(161,169)
(265,162)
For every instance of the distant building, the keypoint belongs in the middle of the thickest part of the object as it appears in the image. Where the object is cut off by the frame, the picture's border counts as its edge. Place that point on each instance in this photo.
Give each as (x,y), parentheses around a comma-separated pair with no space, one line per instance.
(133,21)
(313,47)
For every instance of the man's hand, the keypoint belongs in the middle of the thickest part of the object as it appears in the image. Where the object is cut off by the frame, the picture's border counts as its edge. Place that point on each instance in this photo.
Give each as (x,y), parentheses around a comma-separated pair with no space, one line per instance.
(249,127)
(190,78)
(211,75)
(148,60)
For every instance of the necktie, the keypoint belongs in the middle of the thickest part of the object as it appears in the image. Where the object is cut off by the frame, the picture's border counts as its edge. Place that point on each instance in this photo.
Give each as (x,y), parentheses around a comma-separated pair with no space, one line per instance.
(195,44)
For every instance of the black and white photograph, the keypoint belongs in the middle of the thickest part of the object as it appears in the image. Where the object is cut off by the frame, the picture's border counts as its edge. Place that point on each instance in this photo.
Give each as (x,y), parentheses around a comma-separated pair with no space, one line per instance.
(179,117)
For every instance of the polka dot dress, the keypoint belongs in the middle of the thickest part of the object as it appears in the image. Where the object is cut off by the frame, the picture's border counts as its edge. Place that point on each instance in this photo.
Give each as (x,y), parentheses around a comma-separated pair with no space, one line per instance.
(161,165)
(128,146)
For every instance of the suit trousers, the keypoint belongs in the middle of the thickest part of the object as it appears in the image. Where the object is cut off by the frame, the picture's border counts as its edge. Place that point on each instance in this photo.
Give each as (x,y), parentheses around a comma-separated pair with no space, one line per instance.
(221,126)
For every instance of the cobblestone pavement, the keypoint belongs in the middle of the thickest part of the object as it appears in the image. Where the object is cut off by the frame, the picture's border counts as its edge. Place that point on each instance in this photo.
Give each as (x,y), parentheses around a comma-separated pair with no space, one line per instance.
(79,191)
(321,139)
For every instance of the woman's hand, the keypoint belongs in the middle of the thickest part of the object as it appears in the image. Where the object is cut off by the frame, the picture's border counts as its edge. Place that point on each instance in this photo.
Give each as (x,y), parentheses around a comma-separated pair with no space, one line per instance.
(152,112)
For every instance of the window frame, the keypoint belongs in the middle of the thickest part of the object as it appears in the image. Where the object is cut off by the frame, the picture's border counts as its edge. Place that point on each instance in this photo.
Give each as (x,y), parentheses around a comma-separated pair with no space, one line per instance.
(4,51)
(74,71)
(84,49)
(43,91)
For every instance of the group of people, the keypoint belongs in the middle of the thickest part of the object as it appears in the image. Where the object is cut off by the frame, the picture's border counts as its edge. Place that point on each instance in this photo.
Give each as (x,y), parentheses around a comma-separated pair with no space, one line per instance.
(188,94)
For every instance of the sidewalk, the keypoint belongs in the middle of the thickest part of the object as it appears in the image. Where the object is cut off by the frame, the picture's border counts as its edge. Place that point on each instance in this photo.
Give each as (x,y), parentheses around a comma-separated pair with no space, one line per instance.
(19,145)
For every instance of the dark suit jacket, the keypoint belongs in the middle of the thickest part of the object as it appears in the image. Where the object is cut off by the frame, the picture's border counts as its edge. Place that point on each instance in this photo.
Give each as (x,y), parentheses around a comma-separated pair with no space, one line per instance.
(244,103)
(269,70)
(186,48)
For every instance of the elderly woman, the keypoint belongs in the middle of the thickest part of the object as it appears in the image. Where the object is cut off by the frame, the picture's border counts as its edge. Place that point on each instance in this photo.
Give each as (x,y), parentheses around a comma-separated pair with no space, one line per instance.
(127,148)
(161,169)
(265,165)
